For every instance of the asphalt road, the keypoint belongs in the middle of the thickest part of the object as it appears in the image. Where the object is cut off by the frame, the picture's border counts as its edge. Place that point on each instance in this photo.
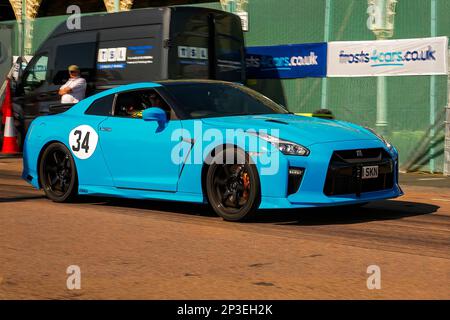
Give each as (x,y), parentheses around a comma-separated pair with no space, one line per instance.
(158,250)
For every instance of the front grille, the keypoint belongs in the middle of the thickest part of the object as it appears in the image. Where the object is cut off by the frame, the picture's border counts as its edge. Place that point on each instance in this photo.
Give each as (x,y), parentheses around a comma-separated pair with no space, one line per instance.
(345,170)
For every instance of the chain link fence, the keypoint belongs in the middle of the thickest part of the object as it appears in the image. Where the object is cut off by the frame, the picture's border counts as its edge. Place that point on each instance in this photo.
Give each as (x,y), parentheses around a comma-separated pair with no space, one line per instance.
(350,99)
(447,127)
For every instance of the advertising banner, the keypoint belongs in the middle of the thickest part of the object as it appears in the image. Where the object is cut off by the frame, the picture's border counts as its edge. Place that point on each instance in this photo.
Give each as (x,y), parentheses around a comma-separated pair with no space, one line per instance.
(287,61)
(425,56)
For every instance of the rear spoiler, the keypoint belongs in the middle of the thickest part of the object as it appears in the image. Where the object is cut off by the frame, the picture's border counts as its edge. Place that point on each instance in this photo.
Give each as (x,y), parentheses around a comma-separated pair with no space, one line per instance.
(322,113)
(59,108)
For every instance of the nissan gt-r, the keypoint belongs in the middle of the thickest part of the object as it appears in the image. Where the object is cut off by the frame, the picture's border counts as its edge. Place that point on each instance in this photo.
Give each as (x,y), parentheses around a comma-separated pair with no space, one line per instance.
(208,142)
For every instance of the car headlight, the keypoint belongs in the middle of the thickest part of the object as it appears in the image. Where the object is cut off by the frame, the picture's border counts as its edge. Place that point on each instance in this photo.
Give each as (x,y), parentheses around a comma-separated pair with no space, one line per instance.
(379,136)
(286,147)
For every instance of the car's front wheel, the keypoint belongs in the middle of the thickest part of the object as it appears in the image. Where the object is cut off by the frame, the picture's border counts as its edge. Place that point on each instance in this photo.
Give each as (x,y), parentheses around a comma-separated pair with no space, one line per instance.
(57,173)
(233,189)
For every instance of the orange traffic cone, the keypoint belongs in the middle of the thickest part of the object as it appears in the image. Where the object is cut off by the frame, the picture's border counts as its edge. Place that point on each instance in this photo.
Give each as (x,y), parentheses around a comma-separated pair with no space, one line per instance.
(10,145)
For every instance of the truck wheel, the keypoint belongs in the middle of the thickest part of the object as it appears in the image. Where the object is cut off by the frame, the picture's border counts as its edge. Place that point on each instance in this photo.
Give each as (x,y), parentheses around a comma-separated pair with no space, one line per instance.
(57,173)
(233,189)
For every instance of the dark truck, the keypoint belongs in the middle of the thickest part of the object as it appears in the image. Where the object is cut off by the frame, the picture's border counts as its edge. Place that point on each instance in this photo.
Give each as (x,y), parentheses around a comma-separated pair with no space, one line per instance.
(126,47)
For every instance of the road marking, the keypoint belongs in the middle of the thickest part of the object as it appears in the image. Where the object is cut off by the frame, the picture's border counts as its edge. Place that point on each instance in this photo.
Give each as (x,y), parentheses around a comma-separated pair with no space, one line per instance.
(431,179)
(437,199)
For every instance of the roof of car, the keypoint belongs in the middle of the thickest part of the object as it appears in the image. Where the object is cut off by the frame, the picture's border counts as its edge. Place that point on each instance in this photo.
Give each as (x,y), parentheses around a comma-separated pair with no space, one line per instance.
(190,81)
(155,84)
(84,104)
(144,85)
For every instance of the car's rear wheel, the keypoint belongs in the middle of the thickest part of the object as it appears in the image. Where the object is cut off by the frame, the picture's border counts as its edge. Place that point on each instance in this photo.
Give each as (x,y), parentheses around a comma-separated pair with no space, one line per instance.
(57,173)
(233,189)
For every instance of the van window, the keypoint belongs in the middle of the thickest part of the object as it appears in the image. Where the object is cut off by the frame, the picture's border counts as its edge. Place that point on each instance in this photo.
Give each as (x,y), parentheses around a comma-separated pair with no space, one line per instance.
(216,42)
(102,106)
(229,59)
(192,55)
(190,52)
(81,54)
(230,48)
(36,73)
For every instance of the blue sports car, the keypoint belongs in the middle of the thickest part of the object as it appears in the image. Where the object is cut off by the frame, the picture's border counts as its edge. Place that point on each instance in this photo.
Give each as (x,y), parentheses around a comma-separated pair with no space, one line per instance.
(206,142)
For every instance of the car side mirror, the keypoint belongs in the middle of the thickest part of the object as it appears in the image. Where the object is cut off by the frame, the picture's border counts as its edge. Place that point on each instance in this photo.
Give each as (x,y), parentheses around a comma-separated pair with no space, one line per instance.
(155,114)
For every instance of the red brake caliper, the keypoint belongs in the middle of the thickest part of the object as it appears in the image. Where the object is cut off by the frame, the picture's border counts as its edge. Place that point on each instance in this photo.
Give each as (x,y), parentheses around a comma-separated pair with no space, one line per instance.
(246,183)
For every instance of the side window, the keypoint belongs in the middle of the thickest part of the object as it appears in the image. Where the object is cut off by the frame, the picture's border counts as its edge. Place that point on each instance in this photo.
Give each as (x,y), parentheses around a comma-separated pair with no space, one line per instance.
(102,106)
(36,73)
(67,55)
(131,104)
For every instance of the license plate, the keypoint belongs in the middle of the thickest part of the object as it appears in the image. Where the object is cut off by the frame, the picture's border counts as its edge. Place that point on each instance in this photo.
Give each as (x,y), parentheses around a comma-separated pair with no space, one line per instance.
(370,172)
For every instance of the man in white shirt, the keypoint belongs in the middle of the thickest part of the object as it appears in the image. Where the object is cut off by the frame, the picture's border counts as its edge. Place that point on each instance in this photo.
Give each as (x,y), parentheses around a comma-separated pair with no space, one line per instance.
(74,89)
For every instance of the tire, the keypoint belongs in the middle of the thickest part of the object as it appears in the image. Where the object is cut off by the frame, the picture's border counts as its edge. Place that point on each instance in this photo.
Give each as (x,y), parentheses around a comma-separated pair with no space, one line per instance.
(58,174)
(233,190)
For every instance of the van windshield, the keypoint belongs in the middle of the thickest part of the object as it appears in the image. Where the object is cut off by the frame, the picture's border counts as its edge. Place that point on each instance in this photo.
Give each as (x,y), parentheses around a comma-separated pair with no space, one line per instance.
(206,100)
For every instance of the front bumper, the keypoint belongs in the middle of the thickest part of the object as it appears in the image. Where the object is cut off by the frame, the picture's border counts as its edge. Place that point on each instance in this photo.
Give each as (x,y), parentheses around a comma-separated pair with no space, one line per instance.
(317,189)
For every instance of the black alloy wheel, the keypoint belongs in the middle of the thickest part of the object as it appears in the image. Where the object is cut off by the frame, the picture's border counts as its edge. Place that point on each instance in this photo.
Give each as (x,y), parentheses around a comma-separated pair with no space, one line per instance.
(233,189)
(57,173)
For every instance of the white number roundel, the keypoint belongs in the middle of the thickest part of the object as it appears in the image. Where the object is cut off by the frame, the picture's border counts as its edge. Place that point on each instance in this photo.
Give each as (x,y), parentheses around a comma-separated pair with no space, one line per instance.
(83,141)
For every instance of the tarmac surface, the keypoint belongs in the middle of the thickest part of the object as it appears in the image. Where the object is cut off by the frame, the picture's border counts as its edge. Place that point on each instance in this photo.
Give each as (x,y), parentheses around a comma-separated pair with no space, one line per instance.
(129,249)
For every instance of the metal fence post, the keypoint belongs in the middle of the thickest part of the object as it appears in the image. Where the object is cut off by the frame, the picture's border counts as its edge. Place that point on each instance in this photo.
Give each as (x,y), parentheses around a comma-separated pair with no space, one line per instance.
(381,23)
(433,90)
(381,123)
(447,127)
(326,38)
(22,24)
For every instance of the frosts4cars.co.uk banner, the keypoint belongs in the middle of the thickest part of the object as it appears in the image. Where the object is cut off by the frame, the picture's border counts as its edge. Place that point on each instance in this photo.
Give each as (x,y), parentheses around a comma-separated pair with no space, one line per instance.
(287,61)
(425,56)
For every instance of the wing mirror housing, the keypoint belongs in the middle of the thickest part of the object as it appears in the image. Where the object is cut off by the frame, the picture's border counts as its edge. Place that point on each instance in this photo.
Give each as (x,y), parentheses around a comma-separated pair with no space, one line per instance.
(155,114)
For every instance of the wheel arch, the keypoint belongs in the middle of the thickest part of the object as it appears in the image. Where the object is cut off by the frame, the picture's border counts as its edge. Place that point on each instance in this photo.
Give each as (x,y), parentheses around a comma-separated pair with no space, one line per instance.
(212,154)
(41,153)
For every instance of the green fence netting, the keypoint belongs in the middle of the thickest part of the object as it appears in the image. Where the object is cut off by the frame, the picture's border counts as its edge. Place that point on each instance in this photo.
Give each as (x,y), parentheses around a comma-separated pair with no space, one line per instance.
(275,22)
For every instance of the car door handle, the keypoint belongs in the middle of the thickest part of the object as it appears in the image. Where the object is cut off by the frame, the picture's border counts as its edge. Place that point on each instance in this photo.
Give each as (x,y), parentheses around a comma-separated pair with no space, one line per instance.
(106,129)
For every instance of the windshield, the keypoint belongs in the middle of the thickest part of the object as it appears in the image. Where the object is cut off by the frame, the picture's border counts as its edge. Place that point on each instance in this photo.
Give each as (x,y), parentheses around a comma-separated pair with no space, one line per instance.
(206,100)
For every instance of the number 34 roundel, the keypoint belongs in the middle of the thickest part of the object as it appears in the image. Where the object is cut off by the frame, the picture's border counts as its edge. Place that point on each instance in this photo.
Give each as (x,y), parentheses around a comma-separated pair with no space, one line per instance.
(83,141)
